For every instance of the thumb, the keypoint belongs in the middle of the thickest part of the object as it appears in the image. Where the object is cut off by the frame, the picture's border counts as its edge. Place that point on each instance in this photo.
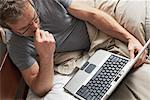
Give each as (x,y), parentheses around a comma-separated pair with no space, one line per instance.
(131,53)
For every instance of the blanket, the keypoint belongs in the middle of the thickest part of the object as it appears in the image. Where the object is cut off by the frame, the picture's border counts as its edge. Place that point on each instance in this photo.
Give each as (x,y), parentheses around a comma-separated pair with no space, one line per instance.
(125,14)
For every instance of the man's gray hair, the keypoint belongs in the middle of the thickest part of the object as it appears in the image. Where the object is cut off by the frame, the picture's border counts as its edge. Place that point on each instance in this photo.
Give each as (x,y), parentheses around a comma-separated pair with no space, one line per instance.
(10,10)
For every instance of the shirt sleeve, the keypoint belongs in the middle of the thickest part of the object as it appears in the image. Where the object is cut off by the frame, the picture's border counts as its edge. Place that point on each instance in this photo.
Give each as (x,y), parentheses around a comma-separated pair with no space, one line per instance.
(65,3)
(21,53)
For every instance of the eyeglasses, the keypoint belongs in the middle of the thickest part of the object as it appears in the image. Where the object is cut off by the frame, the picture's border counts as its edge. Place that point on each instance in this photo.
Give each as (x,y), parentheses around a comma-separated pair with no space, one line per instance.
(34,20)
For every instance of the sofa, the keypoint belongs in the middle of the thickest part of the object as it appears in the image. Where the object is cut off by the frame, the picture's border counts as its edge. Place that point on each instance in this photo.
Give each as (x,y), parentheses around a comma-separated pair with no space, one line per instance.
(12,85)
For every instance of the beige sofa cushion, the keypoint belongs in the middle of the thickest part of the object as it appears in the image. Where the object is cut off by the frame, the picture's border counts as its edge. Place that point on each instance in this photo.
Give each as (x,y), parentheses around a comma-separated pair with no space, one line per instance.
(129,13)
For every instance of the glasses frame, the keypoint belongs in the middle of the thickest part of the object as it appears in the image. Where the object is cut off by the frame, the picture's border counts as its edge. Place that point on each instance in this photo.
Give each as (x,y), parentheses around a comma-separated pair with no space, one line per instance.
(31,23)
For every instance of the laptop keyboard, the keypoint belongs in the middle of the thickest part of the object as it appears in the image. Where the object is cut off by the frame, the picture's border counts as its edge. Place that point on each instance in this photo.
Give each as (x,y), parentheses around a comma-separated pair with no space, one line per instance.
(100,83)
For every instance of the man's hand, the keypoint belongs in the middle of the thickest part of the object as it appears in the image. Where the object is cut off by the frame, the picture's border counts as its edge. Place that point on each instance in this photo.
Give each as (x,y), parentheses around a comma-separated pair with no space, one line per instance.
(108,25)
(44,43)
(39,76)
(134,47)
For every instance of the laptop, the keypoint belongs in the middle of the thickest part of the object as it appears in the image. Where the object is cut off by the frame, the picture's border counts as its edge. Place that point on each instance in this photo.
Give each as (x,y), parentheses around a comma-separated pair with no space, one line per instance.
(100,75)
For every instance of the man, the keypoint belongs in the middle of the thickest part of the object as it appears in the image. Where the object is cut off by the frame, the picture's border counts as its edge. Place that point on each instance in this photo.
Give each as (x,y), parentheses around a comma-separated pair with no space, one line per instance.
(57,26)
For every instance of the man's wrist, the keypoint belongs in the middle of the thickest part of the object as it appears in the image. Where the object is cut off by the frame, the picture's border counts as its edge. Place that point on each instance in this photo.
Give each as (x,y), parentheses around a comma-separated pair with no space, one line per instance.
(46,56)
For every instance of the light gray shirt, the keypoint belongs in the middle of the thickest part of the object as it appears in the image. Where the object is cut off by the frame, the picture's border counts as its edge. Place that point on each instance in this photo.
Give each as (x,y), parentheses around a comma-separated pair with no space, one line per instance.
(69,32)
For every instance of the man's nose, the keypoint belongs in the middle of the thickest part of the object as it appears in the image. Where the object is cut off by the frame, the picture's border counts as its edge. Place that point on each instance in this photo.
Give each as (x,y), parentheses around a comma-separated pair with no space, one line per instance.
(35,26)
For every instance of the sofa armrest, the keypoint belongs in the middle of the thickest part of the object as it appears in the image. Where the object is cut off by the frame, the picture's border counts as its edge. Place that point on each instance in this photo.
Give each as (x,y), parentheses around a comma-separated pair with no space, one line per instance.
(12,85)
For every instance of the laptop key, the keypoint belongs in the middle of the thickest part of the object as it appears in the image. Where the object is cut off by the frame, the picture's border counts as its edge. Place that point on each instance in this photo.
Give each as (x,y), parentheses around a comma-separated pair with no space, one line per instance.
(84,93)
(83,89)
(79,93)
(89,97)
(93,98)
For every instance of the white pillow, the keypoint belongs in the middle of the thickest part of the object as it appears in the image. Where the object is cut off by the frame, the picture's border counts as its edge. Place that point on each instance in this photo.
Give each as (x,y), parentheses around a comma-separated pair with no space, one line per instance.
(5,34)
(2,33)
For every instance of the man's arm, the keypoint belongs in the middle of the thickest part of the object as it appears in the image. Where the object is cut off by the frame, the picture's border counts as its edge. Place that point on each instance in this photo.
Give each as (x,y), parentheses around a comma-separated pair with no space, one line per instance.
(99,19)
(39,77)
(107,24)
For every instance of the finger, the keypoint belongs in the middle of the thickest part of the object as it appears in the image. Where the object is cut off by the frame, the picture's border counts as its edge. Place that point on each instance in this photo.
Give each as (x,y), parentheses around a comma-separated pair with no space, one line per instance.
(51,37)
(37,34)
(141,60)
(43,35)
(47,34)
(145,53)
(138,63)
(143,57)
